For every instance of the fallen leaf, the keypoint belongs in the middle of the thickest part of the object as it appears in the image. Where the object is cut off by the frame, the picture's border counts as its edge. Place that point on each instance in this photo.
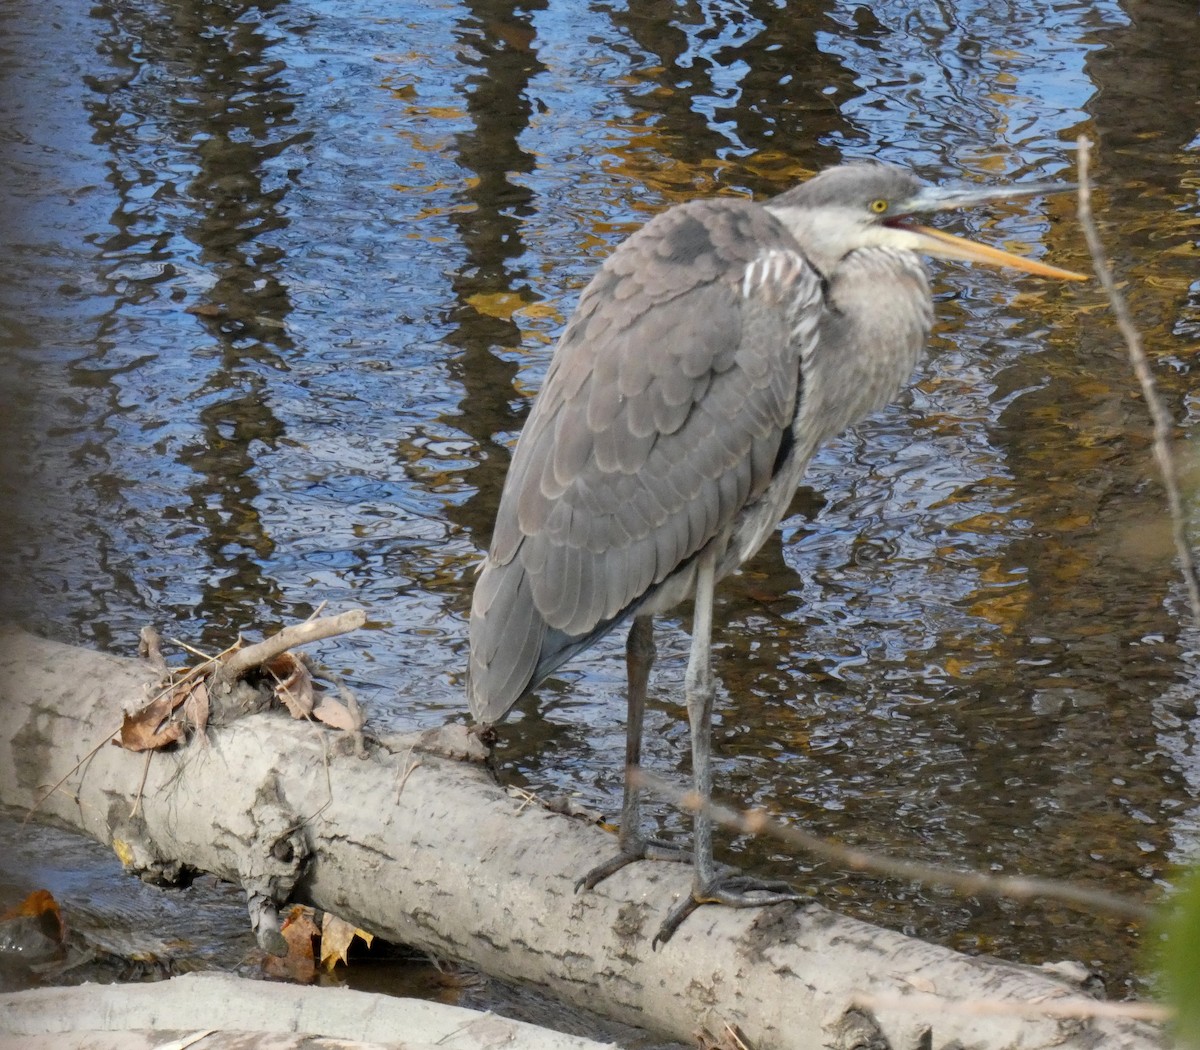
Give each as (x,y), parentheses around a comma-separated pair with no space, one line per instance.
(124,852)
(496,304)
(33,932)
(41,905)
(299,965)
(921,984)
(336,714)
(144,729)
(196,709)
(336,936)
(293,684)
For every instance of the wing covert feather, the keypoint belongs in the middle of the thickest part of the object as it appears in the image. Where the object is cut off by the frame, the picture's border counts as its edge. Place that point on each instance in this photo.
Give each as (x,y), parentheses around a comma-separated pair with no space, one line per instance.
(660,420)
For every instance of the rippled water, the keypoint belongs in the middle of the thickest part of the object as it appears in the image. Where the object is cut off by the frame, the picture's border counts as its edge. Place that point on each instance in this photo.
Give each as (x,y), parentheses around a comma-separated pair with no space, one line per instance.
(280,279)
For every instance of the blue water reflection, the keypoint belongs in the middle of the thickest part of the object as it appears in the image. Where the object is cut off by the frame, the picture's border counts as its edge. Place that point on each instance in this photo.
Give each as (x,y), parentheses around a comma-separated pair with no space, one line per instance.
(281,279)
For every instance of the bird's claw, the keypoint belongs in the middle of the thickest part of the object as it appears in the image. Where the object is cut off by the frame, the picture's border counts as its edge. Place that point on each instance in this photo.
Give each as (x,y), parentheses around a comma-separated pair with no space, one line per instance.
(734,891)
(635,850)
(742,887)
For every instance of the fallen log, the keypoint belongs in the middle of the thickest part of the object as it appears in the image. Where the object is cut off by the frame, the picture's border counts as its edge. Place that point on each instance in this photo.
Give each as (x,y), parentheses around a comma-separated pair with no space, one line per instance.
(223,1012)
(428,851)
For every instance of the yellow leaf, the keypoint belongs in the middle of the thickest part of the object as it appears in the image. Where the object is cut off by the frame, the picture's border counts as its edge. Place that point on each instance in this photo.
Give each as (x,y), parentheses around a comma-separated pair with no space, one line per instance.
(124,852)
(956,667)
(496,304)
(542,312)
(336,936)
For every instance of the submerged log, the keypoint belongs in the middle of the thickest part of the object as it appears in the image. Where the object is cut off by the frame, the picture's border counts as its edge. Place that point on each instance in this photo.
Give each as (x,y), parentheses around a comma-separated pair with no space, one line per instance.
(429,851)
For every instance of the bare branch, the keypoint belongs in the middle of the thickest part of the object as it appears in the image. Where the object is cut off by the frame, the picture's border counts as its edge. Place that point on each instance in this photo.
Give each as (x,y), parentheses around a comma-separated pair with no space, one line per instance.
(1071,1008)
(1159,416)
(972,883)
(298,634)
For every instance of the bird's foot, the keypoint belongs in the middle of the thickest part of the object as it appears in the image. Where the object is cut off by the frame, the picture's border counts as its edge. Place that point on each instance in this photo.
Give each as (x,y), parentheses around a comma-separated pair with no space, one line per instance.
(633,850)
(734,891)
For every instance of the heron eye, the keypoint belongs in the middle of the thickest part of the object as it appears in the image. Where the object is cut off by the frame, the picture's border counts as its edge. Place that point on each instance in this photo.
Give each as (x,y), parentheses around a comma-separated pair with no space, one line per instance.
(878,206)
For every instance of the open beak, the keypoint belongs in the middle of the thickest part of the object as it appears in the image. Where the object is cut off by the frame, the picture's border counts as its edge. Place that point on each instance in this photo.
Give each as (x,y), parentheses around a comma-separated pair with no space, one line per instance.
(946,246)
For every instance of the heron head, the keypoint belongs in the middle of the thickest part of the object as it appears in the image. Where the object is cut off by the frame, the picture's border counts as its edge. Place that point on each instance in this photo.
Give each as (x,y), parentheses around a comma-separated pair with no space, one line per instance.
(870,204)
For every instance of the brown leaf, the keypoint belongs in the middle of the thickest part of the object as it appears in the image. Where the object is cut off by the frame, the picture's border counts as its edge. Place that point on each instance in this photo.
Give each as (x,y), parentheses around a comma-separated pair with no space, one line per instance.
(336,714)
(336,936)
(143,730)
(196,708)
(293,684)
(299,965)
(33,931)
(40,905)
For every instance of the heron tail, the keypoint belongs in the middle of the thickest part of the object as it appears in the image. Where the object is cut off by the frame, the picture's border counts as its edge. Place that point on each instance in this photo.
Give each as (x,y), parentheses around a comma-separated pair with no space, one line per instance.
(507,638)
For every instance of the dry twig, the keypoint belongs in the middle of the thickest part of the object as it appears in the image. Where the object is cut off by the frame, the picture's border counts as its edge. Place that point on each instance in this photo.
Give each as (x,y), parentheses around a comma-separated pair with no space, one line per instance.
(974,883)
(1072,1008)
(298,634)
(1159,415)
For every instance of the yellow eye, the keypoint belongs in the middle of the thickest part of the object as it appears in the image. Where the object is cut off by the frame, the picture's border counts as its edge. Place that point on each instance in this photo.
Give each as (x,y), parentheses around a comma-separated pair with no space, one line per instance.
(878,206)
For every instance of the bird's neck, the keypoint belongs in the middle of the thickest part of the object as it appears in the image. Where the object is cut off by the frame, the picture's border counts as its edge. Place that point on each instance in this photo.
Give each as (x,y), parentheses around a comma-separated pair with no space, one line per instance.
(818,235)
(873,334)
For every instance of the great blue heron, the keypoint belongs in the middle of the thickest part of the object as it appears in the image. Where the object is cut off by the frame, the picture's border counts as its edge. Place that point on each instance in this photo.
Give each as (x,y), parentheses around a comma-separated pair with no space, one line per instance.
(707,360)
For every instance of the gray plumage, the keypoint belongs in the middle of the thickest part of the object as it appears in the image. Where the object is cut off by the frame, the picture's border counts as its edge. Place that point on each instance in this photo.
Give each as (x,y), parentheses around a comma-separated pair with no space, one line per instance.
(706,361)
(709,357)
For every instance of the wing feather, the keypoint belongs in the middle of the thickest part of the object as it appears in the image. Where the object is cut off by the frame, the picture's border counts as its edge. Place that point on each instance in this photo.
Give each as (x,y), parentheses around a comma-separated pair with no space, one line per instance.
(507,635)
(659,423)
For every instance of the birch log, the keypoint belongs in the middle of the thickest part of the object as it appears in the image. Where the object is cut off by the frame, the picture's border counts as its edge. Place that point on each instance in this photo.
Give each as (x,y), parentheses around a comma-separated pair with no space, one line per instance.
(429,851)
(222,1012)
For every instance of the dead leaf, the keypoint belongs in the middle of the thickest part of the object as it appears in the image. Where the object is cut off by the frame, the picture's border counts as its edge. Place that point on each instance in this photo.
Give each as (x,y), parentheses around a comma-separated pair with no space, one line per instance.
(124,852)
(496,304)
(196,708)
(336,714)
(299,965)
(33,933)
(40,905)
(920,983)
(293,684)
(336,936)
(144,729)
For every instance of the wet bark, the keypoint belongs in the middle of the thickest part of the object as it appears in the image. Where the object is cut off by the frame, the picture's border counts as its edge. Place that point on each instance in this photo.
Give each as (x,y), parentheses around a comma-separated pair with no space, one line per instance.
(428,851)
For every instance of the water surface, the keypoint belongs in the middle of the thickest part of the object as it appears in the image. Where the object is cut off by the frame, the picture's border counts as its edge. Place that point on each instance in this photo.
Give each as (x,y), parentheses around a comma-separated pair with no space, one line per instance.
(280,280)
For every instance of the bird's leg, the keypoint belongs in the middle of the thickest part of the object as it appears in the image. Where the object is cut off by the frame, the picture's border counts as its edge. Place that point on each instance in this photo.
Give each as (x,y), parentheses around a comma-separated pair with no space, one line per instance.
(639,659)
(700,691)
(708,885)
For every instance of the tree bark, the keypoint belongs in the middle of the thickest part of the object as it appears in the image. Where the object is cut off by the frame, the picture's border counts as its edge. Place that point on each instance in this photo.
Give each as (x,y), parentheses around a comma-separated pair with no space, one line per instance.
(428,851)
(222,1012)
